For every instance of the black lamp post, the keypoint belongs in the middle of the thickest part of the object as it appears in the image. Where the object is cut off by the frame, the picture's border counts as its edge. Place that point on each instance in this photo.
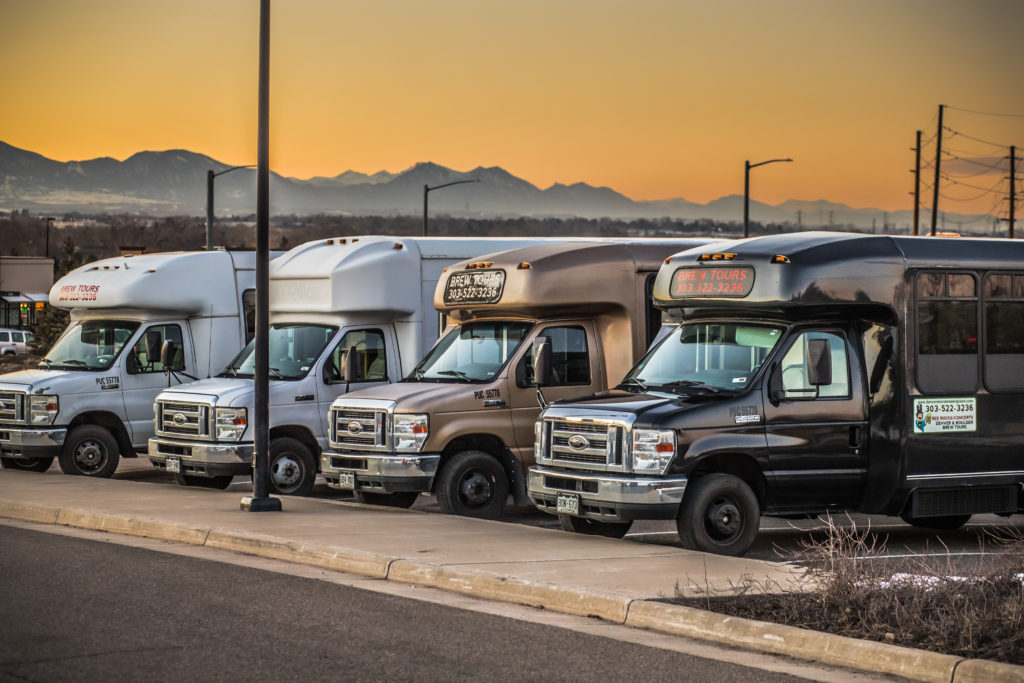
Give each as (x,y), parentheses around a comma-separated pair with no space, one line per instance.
(49,219)
(259,501)
(427,189)
(746,190)
(210,175)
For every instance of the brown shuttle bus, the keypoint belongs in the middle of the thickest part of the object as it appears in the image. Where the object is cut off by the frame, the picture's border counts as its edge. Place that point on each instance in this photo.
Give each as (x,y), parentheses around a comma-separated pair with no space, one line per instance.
(461,424)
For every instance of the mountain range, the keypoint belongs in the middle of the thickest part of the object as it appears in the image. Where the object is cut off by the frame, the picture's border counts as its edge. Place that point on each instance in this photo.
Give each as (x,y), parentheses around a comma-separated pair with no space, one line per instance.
(173,182)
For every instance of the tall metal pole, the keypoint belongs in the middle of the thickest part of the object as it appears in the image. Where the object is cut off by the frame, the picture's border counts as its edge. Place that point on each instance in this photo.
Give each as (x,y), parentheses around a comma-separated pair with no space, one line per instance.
(210,175)
(425,191)
(746,198)
(1013,185)
(917,181)
(938,164)
(259,501)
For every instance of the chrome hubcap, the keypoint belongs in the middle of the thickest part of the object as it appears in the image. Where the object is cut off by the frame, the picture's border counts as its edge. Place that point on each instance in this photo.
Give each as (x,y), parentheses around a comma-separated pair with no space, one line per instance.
(286,471)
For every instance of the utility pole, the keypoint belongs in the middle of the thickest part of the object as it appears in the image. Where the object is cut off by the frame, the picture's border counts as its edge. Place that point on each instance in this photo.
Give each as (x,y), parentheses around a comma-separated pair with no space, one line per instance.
(427,190)
(938,164)
(260,501)
(800,219)
(1013,186)
(917,181)
(885,222)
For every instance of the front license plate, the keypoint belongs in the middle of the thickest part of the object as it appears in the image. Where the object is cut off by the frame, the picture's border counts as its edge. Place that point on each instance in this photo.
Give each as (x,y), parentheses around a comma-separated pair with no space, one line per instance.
(174,465)
(346,480)
(568,504)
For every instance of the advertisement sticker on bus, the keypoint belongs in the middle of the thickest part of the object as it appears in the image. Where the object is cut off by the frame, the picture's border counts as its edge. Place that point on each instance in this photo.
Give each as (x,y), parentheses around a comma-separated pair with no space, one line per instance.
(937,415)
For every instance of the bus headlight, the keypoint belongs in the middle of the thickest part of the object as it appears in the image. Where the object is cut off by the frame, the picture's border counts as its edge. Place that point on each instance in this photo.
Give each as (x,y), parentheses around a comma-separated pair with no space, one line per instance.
(230,424)
(652,450)
(42,410)
(410,433)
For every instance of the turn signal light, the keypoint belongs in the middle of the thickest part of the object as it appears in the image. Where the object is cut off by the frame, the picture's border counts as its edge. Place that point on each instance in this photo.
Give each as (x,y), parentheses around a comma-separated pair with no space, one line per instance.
(779,258)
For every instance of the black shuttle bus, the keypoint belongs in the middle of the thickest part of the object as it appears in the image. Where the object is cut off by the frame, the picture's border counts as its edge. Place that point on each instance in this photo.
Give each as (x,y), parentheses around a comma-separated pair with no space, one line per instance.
(809,373)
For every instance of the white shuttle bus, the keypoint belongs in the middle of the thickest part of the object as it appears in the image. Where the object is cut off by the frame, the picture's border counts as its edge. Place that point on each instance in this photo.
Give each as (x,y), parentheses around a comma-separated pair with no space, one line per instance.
(90,401)
(345,314)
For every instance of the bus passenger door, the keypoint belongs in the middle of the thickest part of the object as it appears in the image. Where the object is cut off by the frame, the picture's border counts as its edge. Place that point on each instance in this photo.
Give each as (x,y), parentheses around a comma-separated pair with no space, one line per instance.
(817,435)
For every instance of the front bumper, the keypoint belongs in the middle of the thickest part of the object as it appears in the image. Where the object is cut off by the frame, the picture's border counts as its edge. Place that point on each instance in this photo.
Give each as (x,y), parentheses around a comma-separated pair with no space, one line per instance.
(20,442)
(607,498)
(202,459)
(381,473)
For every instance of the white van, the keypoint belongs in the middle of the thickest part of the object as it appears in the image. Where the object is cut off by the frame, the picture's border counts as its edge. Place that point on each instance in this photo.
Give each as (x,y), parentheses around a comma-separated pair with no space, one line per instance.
(358,306)
(91,399)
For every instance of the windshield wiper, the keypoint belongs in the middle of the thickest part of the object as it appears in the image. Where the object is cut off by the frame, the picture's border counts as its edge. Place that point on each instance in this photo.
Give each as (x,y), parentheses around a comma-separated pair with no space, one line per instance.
(456,373)
(634,381)
(45,360)
(276,373)
(692,384)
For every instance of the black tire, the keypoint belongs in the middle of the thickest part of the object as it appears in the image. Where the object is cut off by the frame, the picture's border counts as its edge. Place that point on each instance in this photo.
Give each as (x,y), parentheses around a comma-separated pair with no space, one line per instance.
(594,527)
(292,468)
(91,451)
(27,464)
(472,484)
(947,523)
(720,514)
(402,499)
(220,483)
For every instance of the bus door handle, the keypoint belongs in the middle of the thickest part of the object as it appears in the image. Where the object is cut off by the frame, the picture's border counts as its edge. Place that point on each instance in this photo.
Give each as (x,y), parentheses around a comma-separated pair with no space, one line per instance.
(855,438)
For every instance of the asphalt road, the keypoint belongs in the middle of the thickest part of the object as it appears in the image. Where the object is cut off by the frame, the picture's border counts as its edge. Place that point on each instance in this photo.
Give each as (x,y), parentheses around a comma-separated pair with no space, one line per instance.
(778,540)
(77,609)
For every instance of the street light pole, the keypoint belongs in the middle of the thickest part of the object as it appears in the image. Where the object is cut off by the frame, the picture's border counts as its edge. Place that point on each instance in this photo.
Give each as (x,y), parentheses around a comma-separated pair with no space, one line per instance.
(210,175)
(49,219)
(260,501)
(427,189)
(746,190)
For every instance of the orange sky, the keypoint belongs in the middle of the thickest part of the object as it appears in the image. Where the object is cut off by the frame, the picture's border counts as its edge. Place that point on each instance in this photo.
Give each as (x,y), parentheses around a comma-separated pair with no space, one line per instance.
(655,98)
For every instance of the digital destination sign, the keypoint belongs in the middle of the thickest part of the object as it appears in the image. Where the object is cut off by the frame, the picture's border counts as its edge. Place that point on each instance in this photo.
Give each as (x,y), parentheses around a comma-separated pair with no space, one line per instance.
(474,287)
(712,281)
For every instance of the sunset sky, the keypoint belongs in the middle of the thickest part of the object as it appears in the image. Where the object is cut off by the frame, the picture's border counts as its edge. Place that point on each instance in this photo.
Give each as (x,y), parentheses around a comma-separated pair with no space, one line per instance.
(654,98)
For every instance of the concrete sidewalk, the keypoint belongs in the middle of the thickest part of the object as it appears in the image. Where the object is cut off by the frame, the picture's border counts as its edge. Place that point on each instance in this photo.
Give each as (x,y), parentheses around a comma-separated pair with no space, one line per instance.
(612,579)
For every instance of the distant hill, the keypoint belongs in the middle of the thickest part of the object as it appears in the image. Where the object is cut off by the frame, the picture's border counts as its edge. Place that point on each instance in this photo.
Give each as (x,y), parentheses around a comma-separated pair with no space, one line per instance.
(173,182)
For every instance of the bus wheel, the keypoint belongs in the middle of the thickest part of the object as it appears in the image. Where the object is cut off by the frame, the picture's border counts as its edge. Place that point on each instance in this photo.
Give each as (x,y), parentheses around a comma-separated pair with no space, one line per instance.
(402,499)
(472,484)
(948,523)
(221,482)
(719,514)
(292,468)
(27,464)
(89,450)
(593,527)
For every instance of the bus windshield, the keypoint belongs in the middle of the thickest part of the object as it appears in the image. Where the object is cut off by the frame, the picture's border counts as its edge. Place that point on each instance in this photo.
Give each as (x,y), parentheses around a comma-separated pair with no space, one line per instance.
(293,351)
(91,345)
(705,357)
(474,352)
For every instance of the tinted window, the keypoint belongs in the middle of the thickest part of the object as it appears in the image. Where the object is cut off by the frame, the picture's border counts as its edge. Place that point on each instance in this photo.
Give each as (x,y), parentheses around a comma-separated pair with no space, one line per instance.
(1004,331)
(947,331)
(570,358)
(5,336)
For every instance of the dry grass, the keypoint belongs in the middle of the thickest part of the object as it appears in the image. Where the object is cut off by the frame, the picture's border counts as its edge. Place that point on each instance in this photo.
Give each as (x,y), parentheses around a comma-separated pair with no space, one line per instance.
(973,609)
(10,363)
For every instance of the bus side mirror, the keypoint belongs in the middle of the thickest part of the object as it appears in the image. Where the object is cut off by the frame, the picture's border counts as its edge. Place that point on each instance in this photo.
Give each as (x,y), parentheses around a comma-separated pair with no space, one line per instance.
(542,370)
(775,392)
(328,372)
(352,365)
(819,362)
(167,353)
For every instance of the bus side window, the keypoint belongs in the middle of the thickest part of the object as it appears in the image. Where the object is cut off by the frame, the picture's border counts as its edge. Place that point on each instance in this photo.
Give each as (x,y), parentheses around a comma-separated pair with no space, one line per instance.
(249,313)
(1004,331)
(947,332)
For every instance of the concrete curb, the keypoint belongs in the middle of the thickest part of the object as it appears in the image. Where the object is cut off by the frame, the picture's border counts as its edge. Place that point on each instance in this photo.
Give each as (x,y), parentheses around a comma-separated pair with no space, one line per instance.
(694,623)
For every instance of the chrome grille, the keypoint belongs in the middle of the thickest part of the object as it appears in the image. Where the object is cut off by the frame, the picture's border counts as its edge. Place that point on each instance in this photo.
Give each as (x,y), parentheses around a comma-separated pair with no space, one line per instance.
(194,420)
(12,406)
(582,444)
(358,429)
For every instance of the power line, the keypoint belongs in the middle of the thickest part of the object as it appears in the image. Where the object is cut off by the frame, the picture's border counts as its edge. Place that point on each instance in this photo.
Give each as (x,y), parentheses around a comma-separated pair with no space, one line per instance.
(975,162)
(985,113)
(976,187)
(965,135)
(964,199)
